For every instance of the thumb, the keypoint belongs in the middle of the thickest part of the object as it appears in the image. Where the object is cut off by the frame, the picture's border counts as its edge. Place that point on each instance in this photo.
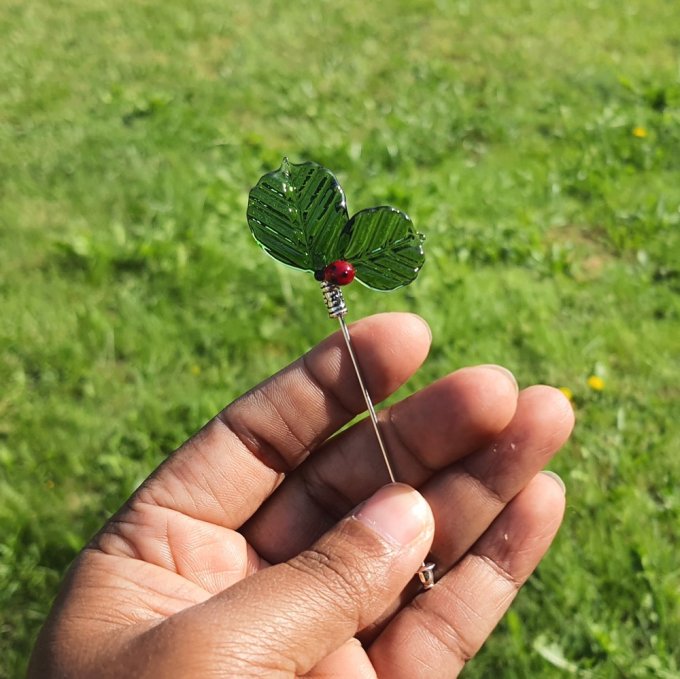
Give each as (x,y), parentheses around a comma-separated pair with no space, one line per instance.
(286,618)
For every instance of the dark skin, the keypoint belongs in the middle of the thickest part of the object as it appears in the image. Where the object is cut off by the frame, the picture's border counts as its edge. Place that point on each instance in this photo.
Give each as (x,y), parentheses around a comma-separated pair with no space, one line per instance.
(264,547)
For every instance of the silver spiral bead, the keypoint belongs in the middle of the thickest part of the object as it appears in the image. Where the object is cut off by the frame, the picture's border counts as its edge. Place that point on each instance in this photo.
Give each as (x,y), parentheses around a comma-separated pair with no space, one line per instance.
(334,299)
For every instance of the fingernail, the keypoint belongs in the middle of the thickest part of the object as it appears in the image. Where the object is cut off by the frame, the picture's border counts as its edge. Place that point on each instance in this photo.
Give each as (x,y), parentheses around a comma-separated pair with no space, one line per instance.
(426,324)
(556,479)
(398,513)
(503,371)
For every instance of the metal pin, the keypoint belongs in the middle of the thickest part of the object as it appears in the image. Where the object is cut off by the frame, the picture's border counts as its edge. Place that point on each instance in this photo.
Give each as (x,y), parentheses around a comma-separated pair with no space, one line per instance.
(337,308)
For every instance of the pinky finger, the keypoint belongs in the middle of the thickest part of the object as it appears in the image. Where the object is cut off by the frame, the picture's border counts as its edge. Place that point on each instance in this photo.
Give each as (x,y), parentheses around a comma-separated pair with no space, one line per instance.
(442,629)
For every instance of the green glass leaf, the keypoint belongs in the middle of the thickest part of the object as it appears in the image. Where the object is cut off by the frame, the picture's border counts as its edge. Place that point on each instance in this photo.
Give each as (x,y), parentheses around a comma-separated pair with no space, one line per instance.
(384,247)
(297,214)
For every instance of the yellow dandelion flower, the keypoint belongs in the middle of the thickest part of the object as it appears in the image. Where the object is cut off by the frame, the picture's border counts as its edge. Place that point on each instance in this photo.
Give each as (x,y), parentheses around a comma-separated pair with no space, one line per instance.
(195,369)
(639,132)
(567,392)
(595,383)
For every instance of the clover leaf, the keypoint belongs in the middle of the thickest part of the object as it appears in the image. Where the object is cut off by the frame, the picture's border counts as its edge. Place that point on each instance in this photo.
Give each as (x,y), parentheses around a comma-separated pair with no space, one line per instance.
(298,214)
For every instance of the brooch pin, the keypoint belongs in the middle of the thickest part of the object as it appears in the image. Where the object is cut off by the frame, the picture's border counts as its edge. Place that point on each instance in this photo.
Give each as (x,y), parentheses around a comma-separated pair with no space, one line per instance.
(298,214)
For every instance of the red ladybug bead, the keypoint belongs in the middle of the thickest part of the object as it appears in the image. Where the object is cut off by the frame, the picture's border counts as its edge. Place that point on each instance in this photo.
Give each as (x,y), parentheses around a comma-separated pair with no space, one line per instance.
(339,273)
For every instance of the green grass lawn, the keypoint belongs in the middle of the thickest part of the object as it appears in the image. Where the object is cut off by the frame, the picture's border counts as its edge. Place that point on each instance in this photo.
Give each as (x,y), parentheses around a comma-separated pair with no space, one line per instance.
(537,144)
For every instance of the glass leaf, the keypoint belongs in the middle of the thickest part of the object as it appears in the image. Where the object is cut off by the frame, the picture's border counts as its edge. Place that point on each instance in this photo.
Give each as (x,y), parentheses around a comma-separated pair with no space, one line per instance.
(297,214)
(384,247)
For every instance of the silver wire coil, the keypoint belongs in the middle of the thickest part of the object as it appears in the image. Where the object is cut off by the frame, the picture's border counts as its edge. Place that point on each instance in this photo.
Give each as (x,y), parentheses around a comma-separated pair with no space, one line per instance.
(334,299)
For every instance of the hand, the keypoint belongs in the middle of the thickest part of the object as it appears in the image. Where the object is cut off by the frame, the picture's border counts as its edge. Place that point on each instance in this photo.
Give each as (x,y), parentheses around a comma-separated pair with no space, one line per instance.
(262,547)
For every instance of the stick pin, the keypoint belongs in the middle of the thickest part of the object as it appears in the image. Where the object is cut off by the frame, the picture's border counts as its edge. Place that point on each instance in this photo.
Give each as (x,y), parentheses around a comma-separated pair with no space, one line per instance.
(298,214)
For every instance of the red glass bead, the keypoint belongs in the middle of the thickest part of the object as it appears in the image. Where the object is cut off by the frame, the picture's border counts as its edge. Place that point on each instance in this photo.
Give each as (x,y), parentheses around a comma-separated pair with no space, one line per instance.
(339,273)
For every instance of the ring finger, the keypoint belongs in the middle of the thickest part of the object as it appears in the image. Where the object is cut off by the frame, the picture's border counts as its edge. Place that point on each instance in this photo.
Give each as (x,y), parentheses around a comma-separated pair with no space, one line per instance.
(468,496)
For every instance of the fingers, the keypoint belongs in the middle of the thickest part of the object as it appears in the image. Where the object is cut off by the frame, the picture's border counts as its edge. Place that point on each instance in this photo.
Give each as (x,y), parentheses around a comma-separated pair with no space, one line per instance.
(480,485)
(443,628)
(286,618)
(347,662)
(224,473)
(426,432)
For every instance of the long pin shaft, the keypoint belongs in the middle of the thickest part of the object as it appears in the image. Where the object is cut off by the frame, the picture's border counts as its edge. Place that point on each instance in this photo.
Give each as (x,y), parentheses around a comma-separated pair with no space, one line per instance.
(367,397)
(426,570)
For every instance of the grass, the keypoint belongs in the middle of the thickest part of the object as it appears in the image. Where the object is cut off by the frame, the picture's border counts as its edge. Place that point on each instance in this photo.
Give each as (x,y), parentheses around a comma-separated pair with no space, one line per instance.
(536,144)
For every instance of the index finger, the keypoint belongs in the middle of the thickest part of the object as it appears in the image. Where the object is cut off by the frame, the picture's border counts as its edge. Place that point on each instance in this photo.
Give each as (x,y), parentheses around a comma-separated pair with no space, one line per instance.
(225,472)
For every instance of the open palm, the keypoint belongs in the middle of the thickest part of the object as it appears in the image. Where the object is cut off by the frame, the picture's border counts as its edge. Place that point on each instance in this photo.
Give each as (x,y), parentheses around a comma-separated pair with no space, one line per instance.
(244,555)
